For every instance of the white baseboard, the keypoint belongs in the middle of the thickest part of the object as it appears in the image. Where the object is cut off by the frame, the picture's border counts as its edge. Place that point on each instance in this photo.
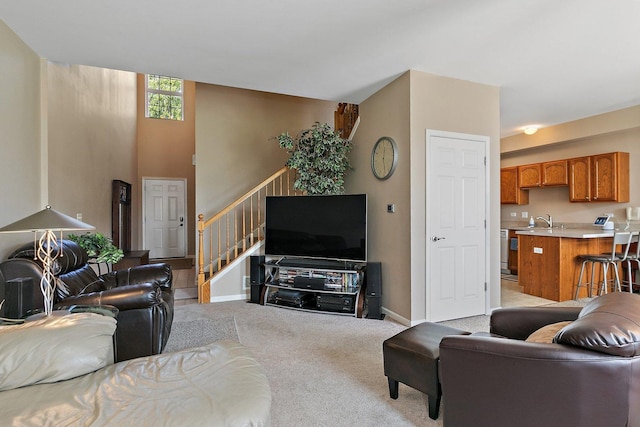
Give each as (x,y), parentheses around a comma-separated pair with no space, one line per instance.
(225,298)
(397,317)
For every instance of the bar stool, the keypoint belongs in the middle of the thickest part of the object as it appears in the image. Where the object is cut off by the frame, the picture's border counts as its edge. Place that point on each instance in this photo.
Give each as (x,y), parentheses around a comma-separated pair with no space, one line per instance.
(633,257)
(605,260)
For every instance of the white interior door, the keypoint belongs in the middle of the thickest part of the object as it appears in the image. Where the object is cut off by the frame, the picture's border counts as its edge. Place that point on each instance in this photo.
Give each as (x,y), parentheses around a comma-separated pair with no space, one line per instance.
(456,225)
(164,212)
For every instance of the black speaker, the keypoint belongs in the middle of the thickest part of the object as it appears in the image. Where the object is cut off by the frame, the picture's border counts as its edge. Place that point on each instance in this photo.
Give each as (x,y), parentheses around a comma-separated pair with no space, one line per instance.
(373,292)
(18,298)
(256,276)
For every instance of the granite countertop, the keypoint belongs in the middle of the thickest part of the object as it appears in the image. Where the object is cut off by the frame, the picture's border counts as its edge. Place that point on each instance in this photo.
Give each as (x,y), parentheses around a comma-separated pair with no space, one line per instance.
(572,231)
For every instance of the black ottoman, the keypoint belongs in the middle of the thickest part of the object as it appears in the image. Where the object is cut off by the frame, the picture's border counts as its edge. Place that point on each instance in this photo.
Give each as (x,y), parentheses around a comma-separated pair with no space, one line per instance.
(411,357)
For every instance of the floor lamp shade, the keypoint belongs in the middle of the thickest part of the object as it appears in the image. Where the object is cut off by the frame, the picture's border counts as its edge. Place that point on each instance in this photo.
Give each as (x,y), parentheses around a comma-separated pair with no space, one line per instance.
(48,222)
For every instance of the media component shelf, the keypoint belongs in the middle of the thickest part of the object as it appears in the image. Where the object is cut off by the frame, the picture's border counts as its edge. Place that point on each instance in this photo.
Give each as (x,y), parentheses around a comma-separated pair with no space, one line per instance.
(328,289)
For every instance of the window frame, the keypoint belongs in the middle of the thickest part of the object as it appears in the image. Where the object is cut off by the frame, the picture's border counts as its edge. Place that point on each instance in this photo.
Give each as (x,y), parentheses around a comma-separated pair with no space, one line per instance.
(147,91)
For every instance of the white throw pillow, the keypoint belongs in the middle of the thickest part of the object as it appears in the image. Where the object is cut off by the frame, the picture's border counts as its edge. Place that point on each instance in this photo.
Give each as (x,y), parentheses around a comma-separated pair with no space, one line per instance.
(54,348)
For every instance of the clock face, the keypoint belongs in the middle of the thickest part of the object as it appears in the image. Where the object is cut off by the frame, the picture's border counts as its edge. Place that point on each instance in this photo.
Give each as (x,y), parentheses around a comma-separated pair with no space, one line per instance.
(384,157)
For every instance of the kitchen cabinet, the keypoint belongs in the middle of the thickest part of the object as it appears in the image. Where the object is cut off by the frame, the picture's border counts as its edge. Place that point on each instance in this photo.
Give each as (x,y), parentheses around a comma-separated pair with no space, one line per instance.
(580,179)
(529,175)
(513,252)
(599,178)
(554,173)
(549,267)
(610,177)
(510,193)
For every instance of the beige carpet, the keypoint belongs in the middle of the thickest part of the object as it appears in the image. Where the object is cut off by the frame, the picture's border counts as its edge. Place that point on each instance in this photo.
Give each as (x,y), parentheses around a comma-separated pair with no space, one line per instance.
(325,370)
(196,333)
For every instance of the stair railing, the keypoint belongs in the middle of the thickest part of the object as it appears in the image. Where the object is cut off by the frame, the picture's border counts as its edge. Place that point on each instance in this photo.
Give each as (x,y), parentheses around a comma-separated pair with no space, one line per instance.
(236,228)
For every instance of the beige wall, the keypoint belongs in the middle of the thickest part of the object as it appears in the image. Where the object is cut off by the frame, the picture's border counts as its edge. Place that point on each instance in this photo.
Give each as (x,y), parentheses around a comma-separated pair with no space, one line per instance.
(453,105)
(67,132)
(615,131)
(165,150)
(588,127)
(20,161)
(235,150)
(404,110)
(387,113)
(91,140)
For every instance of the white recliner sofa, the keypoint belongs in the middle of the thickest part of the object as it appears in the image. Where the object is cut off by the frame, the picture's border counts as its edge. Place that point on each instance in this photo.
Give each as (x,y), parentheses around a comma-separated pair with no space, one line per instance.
(59,371)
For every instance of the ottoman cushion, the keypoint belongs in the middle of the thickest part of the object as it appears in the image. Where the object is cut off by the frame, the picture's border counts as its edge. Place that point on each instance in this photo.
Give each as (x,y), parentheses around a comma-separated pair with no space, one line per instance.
(411,357)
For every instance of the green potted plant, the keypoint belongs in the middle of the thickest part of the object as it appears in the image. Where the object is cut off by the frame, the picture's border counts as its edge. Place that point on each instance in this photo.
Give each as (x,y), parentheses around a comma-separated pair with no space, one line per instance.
(98,246)
(319,156)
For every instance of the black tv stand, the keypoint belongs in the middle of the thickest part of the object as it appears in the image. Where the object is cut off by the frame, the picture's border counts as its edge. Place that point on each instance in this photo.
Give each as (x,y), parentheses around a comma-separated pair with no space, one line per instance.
(315,263)
(315,285)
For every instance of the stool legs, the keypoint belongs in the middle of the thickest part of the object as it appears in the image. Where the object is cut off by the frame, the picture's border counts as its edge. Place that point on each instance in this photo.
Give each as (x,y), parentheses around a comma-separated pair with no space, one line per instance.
(580,280)
(604,286)
(630,272)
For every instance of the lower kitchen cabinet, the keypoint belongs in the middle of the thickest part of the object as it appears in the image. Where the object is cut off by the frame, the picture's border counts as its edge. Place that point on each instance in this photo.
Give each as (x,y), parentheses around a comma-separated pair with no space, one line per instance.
(549,267)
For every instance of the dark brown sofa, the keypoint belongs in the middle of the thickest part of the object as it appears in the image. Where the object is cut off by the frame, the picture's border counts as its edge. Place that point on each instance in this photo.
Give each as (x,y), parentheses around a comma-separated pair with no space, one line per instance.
(143,295)
(587,375)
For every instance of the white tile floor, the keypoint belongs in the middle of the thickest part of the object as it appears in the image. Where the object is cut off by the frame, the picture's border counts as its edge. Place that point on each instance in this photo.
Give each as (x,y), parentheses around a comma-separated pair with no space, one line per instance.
(512,294)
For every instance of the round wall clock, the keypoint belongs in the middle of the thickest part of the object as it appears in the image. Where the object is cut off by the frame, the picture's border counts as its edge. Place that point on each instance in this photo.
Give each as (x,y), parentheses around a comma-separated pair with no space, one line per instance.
(384,157)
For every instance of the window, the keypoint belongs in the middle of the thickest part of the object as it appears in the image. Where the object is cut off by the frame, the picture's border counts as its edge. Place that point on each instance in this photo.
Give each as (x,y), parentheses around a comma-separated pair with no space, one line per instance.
(164,97)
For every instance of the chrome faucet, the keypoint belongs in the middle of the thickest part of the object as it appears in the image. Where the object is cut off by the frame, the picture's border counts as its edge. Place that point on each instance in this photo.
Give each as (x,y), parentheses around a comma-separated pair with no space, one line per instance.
(548,221)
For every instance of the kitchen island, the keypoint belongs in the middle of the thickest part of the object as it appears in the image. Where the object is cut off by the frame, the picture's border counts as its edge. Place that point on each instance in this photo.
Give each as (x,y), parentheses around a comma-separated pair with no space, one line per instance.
(548,262)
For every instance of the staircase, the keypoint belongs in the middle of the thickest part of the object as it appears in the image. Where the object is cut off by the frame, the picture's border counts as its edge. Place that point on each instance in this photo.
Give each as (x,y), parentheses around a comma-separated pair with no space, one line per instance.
(231,234)
(237,230)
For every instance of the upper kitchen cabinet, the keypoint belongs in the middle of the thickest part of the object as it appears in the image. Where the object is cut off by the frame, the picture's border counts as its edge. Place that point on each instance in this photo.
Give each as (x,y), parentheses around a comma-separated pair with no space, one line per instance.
(544,174)
(555,173)
(580,179)
(529,175)
(599,178)
(510,192)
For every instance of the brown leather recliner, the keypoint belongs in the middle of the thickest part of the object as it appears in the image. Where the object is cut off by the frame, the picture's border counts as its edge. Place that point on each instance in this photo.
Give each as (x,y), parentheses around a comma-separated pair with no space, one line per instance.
(588,374)
(142,294)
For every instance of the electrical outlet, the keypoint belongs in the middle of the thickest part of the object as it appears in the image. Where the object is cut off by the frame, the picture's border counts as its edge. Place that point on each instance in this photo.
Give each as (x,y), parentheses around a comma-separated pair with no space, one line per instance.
(525,214)
(79,216)
(246,282)
(513,214)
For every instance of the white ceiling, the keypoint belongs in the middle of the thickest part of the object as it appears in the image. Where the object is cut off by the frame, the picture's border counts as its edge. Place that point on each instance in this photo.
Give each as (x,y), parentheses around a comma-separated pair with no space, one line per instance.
(554,60)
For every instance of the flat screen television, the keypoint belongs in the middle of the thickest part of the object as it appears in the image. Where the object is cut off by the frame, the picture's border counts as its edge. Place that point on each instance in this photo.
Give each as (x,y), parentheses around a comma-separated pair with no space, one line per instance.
(323,227)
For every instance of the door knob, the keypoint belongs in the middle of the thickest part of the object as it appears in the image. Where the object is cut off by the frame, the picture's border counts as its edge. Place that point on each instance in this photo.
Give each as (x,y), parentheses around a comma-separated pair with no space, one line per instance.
(436,238)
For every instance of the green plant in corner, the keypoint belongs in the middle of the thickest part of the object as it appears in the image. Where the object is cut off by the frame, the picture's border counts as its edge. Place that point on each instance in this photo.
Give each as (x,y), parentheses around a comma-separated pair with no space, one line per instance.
(319,156)
(99,247)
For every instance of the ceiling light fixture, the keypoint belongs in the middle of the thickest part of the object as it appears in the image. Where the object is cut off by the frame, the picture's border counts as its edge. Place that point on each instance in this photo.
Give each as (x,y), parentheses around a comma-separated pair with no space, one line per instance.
(530,130)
